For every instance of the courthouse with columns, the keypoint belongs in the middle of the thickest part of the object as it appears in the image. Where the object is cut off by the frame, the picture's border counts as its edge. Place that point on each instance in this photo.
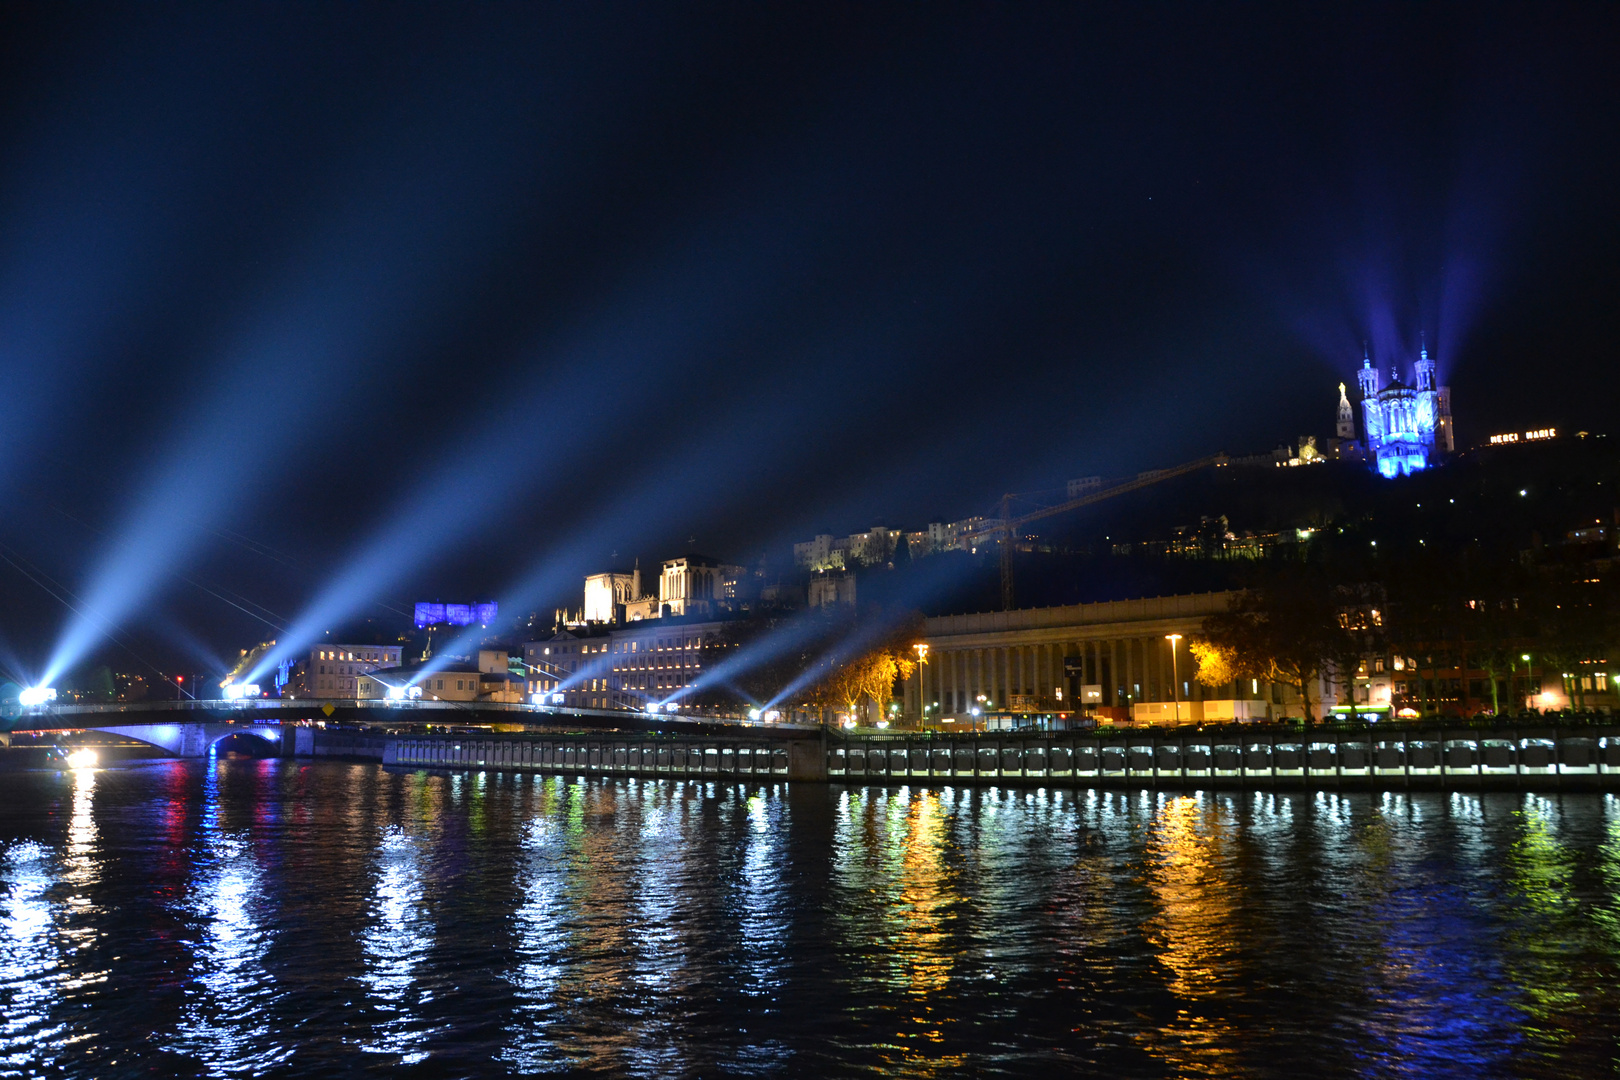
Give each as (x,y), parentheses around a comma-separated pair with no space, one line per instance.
(1112,659)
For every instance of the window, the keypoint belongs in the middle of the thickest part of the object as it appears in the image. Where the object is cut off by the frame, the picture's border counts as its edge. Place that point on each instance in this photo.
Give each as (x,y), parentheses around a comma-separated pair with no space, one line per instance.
(441,684)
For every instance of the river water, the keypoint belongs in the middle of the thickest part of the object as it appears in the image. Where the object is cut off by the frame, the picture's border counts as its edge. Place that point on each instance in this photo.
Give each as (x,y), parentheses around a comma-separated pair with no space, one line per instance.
(275,918)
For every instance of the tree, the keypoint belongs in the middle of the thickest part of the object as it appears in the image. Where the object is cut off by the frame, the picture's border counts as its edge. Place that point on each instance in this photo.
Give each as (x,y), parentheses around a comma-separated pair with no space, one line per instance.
(1288,630)
(843,683)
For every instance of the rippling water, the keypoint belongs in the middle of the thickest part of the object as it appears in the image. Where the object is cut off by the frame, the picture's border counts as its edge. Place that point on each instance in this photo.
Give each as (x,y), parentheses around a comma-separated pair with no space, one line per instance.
(284,919)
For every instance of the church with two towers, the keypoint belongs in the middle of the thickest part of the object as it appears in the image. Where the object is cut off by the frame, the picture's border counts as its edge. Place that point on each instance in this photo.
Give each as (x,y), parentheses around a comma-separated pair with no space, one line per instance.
(1405,426)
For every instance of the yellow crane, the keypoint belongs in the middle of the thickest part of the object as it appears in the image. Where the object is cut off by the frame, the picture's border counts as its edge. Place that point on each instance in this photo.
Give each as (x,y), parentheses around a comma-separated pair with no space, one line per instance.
(1008,527)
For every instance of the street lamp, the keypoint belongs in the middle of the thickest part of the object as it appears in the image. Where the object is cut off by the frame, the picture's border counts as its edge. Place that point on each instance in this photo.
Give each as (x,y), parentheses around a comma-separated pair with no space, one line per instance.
(1175,674)
(922,658)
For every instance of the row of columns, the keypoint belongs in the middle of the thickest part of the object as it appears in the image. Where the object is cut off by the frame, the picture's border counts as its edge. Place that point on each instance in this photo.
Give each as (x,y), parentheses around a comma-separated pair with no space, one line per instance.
(1129,669)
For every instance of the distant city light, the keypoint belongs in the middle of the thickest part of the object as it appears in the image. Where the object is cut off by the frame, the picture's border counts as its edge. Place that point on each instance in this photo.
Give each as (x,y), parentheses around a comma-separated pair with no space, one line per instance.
(36,695)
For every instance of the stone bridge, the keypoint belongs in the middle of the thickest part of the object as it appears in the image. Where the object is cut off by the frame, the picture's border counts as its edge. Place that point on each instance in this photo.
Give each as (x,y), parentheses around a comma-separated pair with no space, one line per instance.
(191,739)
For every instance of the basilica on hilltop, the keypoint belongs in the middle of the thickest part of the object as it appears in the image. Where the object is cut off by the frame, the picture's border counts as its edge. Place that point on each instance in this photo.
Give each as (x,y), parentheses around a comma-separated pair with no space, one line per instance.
(1405,426)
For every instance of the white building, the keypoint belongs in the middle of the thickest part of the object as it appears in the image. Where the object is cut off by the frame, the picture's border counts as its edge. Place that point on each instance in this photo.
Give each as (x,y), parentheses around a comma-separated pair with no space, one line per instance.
(821,552)
(607,594)
(696,585)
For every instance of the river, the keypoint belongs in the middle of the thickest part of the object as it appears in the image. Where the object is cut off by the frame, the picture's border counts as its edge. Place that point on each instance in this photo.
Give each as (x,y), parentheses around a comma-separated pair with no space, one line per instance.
(277,918)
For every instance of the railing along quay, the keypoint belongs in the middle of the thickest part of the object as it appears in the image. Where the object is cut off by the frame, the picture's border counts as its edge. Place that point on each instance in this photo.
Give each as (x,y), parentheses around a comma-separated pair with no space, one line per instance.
(607,753)
(1537,756)
(1585,754)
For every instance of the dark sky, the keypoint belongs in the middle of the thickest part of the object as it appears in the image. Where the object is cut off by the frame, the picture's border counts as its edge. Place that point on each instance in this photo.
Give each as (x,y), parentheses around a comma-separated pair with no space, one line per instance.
(305,308)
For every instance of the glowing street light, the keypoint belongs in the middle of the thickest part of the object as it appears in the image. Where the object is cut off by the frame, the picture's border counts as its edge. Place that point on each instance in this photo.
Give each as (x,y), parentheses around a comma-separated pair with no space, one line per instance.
(922,659)
(1175,674)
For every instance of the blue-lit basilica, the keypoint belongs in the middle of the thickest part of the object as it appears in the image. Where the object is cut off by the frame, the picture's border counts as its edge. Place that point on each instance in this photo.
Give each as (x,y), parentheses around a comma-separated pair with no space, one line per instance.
(1406,427)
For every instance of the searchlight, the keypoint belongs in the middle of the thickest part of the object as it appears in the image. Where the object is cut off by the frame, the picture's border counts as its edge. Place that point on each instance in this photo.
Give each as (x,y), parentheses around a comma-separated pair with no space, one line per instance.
(753,714)
(239,691)
(36,695)
(652,706)
(556,699)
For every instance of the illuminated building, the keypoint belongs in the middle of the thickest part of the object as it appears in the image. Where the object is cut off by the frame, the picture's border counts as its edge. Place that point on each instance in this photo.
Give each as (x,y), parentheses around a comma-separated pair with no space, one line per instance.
(433,613)
(871,548)
(607,594)
(647,661)
(696,585)
(333,671)
(1406,427)
(487,680)
(1112,659)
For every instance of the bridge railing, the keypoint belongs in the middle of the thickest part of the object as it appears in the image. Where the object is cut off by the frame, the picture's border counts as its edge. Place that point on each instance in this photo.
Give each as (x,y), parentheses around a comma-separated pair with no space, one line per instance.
(394,709)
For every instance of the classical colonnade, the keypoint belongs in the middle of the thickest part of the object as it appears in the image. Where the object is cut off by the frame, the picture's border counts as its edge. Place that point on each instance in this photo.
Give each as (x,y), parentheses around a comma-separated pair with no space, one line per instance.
(1041,659)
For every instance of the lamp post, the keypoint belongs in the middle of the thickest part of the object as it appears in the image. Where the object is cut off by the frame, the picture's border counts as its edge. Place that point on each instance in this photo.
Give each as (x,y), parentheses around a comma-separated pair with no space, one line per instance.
(1513,675)
(1175,674)
(922,658)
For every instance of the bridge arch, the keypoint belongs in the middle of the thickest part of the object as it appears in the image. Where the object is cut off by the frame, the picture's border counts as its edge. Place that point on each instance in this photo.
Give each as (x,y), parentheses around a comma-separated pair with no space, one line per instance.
(192,740)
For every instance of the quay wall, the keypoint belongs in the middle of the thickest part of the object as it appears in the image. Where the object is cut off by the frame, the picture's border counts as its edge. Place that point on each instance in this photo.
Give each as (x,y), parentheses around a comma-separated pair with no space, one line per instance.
(1472,758)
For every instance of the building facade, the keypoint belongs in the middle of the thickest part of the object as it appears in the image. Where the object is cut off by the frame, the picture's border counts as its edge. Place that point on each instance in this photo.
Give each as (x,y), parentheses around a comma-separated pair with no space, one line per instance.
(333,671)
(1406,427)
(607,594)
(626,668)
(486,677)
(1113,660)
(696,585)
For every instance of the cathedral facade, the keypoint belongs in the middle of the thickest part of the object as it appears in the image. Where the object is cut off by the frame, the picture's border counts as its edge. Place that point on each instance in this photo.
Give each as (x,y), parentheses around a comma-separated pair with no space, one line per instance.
(1405,427)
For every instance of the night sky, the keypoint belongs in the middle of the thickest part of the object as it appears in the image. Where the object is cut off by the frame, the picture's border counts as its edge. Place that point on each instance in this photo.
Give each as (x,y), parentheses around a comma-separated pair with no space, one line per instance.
(307,309)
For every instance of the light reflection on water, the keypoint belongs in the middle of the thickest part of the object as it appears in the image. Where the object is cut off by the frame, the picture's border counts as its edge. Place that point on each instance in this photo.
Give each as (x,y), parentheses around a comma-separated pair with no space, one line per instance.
(395,944)
(230,994)
(300,919)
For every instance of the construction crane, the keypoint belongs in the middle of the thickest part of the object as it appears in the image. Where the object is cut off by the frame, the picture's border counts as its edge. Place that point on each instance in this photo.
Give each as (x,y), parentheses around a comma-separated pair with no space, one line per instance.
(1009,525)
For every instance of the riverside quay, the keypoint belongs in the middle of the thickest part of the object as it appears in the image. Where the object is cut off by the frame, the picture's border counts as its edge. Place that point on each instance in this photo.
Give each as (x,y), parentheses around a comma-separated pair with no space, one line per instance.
(1535,756)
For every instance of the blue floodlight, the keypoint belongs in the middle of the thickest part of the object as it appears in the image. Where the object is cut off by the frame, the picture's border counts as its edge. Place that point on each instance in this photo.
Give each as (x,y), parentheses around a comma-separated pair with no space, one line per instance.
(239,691)
(36,695)
(652,706)
(753,714)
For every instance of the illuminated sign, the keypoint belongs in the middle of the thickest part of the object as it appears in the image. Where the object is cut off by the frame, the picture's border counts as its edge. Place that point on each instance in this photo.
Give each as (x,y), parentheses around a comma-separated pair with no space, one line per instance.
(1528,436)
